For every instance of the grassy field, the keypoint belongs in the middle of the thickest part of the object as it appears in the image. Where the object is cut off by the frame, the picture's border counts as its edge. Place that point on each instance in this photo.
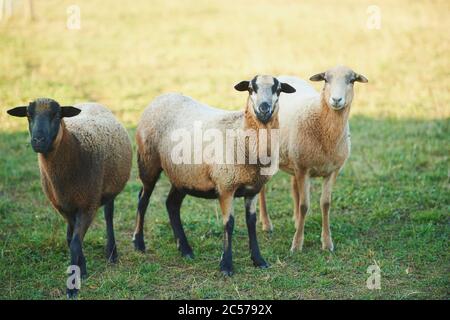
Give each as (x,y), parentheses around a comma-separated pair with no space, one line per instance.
(391,202)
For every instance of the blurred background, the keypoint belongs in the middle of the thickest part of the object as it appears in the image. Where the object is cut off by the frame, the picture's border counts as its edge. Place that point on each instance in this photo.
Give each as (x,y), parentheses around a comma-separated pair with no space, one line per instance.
(124,54)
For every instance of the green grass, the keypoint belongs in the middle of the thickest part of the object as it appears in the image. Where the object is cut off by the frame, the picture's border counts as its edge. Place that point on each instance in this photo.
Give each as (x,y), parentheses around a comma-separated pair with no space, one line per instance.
(390,205)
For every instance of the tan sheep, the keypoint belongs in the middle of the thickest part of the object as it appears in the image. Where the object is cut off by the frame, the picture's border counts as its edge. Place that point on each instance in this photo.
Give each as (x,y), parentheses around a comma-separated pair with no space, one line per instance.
(85,161)
(315,142)
(170,112)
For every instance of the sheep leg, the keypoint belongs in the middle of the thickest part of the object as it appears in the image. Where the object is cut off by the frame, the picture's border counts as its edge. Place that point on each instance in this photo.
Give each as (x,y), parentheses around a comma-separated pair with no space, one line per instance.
(226,205)
(303,188)
(325,202)
(82,223)
(111,249)
(264,216)
(250,217)
(173,205)
(69,232)
(144,197)
(295,198)
(138,236)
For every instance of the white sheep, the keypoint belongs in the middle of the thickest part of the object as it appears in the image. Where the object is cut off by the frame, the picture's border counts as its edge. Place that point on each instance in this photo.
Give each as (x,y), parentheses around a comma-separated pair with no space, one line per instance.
(315,142)
(85,161)
(224,181)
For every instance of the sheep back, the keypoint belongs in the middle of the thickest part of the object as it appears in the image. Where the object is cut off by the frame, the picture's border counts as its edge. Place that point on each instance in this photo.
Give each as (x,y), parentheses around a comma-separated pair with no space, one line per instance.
(101,135)
(174,111)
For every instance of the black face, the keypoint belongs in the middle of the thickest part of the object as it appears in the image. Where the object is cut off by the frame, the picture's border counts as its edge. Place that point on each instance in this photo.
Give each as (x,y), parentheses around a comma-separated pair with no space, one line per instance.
(264,93)
(44,119)
(43,123)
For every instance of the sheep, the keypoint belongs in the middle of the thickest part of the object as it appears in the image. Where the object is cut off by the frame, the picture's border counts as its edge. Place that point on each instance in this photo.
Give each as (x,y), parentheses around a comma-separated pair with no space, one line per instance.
(212,180)
(84,157)
(315,142)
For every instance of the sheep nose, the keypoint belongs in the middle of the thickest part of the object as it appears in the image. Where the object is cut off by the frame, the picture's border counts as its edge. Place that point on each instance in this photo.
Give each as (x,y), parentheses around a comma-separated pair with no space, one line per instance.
(38,140)
(336,100)
(264,107)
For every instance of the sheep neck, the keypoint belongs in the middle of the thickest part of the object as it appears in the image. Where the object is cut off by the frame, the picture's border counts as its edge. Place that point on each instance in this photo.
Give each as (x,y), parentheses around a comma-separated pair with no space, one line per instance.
(332,125)
(65,153)
(252,123)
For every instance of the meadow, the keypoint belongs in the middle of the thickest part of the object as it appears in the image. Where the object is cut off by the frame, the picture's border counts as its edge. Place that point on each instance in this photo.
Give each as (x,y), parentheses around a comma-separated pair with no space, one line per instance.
(391,202)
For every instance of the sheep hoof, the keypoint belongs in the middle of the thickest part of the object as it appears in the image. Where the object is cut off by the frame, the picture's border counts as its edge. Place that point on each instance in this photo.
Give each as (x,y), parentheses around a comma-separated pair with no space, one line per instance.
(188,255)
(227,273)
(327,244)
(111,254)
(226,266)
(112,258)
(139,244)
(268,228)
(72,294)
(296,248)
(329,247)
(261,264)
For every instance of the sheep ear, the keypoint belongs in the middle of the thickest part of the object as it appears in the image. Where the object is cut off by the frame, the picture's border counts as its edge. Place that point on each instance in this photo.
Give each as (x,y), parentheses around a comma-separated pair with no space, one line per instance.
(242,86)
(287,88)
(360,78)
(18,111)
(67,112)
(318,77)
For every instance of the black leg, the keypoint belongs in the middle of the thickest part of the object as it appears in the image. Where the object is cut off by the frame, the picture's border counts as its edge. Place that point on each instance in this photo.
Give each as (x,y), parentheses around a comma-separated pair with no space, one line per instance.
(111,250)
(226,264)
(149,175)
(173,204)
(250,217)
(69,233)
(138,237)
(77,256)
(76,259)
(82,222)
